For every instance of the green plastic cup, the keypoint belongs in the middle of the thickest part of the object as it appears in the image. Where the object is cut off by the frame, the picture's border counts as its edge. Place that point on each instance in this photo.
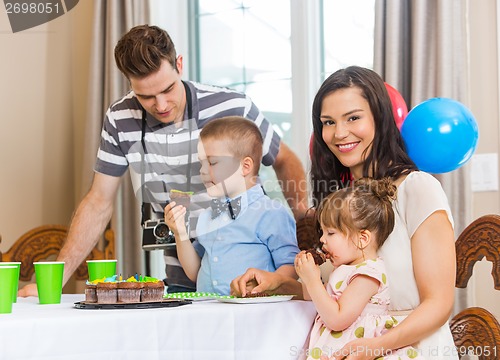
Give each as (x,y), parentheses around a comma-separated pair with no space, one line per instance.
(99,269)
(17,264)
(49,279)
(7,281)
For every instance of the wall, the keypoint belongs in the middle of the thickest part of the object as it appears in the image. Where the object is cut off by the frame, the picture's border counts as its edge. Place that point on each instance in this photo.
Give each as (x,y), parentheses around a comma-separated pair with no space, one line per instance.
(485,107)
(81,19)
(36,138)
(42,69)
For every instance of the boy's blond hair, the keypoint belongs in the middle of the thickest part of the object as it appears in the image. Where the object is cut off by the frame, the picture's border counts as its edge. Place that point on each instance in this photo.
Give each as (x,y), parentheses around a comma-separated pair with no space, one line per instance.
(242,135)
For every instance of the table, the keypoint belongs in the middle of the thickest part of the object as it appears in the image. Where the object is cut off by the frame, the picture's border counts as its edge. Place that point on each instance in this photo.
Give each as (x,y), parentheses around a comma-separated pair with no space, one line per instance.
(203,330)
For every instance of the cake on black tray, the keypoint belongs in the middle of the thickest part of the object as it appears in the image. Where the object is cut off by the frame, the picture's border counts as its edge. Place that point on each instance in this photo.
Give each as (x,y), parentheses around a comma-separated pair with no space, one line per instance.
(114,290)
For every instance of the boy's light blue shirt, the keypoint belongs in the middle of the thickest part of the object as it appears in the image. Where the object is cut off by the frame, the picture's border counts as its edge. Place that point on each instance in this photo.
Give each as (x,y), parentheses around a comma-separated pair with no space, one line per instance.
(263,236)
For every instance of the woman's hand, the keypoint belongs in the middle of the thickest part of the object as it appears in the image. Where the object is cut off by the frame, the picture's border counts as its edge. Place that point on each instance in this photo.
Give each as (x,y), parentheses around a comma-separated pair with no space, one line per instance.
(306,268)
(255,280)
(275,283)
(359,349)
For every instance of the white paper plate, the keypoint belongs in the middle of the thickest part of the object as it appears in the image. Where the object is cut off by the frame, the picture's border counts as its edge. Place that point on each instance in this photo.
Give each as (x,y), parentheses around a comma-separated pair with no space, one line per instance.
(255,300)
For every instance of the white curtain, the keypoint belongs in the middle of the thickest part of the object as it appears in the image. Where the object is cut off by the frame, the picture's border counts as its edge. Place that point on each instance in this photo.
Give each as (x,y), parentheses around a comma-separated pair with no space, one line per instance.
(421,50)
(112,19)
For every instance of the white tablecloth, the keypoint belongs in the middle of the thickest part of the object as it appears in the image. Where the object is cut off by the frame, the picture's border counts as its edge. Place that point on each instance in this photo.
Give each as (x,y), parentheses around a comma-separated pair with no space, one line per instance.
(203,330)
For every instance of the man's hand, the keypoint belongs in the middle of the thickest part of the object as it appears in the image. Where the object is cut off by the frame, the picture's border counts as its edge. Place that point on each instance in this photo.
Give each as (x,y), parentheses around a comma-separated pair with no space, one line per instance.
(28,290)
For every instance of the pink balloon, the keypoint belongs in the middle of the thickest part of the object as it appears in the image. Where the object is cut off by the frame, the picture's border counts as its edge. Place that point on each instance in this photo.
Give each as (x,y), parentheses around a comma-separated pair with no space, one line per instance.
(399,108)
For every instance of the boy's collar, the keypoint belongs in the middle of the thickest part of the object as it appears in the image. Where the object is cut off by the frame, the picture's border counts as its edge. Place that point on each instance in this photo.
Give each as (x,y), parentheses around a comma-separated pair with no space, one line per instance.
(245,198)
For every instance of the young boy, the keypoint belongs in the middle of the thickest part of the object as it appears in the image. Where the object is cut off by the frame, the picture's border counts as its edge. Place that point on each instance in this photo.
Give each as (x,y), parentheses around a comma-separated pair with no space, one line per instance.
(243,228)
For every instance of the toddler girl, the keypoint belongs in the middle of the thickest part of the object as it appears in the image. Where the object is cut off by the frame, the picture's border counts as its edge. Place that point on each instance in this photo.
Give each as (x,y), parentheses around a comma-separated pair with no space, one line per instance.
(355,222)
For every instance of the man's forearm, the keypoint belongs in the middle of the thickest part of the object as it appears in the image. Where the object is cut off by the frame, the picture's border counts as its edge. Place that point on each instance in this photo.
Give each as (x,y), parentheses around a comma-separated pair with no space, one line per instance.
(292,178)
(87,226)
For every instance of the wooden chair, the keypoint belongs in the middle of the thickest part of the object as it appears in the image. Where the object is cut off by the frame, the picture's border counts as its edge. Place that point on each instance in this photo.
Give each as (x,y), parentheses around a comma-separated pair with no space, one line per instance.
(44,243)
(476,328)
(308,231)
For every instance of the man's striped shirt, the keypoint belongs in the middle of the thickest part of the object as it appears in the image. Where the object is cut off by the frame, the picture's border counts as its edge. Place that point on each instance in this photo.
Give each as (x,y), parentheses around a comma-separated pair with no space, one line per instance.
(171,151)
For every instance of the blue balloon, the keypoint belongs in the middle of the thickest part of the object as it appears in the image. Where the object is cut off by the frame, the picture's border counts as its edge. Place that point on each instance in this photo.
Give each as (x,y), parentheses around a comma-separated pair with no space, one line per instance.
(440,134)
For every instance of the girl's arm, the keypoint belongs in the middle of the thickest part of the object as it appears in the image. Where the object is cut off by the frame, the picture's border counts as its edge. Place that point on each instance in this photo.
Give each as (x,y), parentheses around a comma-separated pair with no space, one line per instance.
(305,293)
(433,255)
(336,314)
(307,273)
(188,257)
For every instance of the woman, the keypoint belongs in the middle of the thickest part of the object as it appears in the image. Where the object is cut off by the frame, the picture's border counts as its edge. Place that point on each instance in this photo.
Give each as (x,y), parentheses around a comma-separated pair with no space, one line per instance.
(355,136)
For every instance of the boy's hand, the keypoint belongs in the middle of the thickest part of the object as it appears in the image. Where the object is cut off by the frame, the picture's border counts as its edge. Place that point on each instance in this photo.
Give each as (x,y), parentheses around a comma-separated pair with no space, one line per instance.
(175,219)
(306,268)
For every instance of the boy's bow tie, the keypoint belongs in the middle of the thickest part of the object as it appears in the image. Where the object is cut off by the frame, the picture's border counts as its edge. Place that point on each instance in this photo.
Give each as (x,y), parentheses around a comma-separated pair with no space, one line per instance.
(220,206)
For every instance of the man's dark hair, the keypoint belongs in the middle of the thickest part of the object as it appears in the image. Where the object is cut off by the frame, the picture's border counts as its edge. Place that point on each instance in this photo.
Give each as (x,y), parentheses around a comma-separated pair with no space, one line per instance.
(141,51)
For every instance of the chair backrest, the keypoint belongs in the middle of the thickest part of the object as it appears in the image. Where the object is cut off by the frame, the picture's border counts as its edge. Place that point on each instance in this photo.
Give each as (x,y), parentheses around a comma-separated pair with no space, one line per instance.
(307,231)
(44,243)
(478,240)
(476,329)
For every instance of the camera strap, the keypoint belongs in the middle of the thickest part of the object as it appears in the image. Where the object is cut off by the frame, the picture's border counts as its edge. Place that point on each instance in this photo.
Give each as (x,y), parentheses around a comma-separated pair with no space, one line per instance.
(146,207)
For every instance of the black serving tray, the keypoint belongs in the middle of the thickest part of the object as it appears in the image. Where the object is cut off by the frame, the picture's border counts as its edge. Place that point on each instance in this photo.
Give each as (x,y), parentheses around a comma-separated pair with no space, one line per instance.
(139,305)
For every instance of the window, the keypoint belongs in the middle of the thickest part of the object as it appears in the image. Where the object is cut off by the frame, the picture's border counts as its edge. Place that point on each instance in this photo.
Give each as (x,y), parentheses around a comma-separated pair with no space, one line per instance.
(348,28)
(245,45)
(279,52)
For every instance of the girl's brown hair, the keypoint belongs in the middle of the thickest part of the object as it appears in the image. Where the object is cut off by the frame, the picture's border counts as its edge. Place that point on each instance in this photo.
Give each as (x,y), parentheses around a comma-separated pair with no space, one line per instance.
(366,205)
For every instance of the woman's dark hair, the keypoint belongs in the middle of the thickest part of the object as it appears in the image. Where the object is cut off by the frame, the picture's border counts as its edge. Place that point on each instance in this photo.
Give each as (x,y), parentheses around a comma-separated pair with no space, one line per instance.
(387,157)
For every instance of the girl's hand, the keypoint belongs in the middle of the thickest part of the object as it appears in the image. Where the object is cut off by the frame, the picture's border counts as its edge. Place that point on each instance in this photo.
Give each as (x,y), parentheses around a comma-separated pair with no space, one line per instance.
(306,268)
(175,218)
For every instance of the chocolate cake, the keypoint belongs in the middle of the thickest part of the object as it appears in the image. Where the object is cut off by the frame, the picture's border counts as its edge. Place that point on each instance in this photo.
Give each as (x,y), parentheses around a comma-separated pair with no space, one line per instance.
(318,256)
(129,292)
(258,294)
(107,292)
(91,293)
(114,290)
(152,291)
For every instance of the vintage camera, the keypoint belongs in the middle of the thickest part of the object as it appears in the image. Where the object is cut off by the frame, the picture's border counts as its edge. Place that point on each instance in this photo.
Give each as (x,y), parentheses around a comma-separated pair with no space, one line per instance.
(156,235)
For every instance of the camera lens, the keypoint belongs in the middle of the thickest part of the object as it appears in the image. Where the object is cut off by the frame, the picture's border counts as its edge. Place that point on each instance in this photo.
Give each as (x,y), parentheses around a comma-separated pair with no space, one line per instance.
(161,231)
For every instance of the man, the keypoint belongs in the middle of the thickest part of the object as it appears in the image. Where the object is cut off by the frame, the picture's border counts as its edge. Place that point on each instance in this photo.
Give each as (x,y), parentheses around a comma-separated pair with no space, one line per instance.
(154,130)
